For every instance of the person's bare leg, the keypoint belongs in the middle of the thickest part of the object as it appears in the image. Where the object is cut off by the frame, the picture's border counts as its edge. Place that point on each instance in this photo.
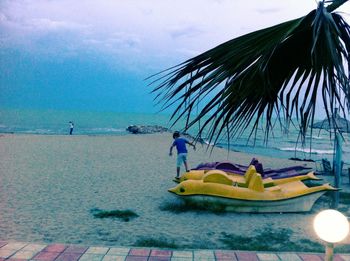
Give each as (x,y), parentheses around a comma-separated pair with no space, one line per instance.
(177,172)
(186,166)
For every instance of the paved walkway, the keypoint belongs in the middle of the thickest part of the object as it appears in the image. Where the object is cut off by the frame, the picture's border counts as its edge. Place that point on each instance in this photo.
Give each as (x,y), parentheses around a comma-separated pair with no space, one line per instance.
(18,251)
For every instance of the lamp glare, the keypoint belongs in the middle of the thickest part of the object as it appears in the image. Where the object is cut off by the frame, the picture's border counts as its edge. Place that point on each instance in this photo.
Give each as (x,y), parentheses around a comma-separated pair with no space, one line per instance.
(331,226)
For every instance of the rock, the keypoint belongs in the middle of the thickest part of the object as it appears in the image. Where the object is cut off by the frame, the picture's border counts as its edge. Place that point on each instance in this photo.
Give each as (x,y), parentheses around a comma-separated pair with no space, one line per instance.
(146,129)
(133,129)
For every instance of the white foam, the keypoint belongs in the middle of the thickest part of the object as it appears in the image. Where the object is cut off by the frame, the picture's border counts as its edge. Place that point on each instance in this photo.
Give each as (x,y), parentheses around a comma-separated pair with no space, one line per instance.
(107,130)
(313,151)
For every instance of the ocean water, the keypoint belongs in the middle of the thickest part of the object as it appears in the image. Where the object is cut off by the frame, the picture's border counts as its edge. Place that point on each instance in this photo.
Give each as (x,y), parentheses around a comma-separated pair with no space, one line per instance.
(85,123)
(280,145)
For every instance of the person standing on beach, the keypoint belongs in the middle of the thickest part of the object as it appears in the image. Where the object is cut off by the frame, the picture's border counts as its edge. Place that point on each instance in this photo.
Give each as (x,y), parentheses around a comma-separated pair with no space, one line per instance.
(180,144)
(71,127)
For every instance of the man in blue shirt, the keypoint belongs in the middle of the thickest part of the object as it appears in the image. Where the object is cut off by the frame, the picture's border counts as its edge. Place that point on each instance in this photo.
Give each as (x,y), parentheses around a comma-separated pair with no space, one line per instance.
(180,144)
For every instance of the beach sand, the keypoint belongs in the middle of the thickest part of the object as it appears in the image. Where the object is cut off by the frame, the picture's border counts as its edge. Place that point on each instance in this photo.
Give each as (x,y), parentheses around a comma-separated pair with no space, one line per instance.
(50,186)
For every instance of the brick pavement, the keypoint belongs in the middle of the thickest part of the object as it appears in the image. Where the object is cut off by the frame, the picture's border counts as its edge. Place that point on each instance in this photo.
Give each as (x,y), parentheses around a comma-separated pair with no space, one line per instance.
(20,251)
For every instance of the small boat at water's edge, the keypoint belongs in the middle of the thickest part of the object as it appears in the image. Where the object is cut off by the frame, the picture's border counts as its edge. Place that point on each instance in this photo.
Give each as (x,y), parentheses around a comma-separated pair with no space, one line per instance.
(242,181)
(218,190)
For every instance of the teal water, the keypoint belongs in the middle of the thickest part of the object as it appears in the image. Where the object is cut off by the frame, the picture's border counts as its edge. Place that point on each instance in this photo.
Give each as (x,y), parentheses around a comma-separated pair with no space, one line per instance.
(50,122)
(57,122)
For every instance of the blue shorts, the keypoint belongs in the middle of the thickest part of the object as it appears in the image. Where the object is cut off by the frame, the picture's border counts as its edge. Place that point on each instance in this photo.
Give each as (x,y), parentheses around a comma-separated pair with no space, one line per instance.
(181,158)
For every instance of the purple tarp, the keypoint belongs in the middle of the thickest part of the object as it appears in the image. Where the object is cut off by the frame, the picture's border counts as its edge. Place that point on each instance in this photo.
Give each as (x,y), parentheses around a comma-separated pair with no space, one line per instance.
(265,173)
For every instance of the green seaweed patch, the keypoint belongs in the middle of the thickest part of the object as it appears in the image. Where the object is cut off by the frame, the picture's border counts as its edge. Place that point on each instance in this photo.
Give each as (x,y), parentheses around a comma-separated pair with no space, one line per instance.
(124,215)
(156,242)
(342,248)
(270,240)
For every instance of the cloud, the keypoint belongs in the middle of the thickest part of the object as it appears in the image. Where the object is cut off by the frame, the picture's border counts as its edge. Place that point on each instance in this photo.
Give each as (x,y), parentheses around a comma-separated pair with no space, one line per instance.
(125,39)
(268,10)
(136,27)
(184,52)
(66,27)
(185,31)
(3,18)
(102,40)
(11,24)
(46,24)
(114,43)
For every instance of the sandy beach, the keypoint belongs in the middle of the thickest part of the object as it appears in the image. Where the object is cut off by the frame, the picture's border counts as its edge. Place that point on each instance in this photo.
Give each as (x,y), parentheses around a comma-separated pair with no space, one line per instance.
(51,185)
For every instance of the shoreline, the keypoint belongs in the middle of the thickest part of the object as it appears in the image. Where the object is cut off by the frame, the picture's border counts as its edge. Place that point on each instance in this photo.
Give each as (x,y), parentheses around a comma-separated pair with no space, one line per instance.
(270,151)
(169,132)
(302,162)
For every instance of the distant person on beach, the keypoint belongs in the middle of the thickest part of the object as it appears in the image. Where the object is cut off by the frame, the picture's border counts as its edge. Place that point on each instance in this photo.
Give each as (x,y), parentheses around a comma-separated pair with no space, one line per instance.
(71,127)
(180,144)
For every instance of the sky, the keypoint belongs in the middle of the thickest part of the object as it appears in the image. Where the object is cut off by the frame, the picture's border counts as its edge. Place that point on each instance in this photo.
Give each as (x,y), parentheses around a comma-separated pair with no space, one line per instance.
(95,55)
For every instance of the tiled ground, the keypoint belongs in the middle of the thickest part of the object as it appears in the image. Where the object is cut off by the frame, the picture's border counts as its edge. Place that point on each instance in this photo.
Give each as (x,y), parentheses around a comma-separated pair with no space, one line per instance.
(18,251)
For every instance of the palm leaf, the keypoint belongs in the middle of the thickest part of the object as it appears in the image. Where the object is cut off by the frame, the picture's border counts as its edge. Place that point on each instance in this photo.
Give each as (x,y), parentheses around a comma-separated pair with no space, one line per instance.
(274,72)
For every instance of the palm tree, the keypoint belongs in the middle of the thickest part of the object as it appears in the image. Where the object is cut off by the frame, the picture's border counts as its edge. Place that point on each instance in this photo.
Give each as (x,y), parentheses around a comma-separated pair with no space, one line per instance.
(277,72)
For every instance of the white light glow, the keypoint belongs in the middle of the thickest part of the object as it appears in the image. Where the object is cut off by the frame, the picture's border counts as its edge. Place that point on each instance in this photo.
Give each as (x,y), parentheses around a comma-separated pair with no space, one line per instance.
(331,226)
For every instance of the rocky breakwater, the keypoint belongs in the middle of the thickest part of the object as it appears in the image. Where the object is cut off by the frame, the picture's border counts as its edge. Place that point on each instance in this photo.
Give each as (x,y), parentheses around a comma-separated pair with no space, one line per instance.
(146,129)
(149,129)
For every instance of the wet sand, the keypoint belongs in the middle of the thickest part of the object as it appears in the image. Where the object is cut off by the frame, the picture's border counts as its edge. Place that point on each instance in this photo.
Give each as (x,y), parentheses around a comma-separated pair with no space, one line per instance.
(51,185)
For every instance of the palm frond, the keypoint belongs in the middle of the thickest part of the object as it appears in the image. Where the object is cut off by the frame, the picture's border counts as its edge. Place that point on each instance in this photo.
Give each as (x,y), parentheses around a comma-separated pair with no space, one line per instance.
(278,71)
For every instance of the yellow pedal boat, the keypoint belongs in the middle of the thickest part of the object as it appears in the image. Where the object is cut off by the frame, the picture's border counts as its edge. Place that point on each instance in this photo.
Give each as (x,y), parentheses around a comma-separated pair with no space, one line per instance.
(218,190)
(243,181)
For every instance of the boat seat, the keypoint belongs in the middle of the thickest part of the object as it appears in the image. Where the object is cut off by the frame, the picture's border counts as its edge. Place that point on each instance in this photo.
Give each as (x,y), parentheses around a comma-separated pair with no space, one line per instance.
(249,173)
(274,188)
(217,176)
(268,182)
(256,183)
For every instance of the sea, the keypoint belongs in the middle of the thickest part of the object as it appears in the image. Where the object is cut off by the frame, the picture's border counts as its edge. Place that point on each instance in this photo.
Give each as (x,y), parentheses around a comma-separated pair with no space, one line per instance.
(281,144)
